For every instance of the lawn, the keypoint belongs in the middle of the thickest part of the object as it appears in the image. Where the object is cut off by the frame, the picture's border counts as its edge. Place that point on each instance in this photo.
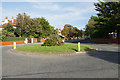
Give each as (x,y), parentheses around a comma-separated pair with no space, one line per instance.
(52,49)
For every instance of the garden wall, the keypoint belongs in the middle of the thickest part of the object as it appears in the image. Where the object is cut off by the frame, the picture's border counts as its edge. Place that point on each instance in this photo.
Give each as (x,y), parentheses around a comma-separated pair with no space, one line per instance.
(21,42)
(99,40)
(11,43)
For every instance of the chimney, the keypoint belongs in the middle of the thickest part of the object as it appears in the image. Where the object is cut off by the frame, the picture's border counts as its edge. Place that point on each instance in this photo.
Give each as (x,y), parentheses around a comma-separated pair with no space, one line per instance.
(6,20)
(12,20)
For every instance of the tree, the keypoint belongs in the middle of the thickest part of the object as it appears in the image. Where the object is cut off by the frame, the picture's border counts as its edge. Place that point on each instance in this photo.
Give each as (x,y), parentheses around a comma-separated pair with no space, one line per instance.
(67,30)
(90,27)
(9,28)
(70,31)
(36,28)
(46,28)
(19,24)
(76,32)
(8,31)
(24,24)
(108,19)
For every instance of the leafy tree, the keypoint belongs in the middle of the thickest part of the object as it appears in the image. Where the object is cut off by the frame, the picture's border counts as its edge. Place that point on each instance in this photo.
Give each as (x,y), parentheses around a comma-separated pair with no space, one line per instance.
(19,24)
(9,28)
(36,27)
(46,28)
(8,31)
(6,34)
(17,32)
(24,24)
(67,30)
(76,32)
(90,27)
(70,31)
(108,19)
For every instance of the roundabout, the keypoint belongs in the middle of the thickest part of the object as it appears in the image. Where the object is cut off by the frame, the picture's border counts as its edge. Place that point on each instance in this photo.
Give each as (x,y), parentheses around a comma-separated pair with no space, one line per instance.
(98,64)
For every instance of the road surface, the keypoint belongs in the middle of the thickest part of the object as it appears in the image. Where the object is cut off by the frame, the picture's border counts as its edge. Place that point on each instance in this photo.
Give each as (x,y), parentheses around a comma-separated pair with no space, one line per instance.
(100,64)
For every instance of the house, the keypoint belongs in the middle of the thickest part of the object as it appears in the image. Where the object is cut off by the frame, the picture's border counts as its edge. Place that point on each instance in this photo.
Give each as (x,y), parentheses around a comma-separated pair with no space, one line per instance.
(59,32)
(6,21)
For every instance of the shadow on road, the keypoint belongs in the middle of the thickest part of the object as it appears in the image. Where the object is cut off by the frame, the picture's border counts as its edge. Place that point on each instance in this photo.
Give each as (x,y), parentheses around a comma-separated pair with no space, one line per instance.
(110,56)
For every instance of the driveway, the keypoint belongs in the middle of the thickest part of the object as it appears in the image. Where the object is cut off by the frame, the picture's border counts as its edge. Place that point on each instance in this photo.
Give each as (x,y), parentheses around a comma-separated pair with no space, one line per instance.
(98,64)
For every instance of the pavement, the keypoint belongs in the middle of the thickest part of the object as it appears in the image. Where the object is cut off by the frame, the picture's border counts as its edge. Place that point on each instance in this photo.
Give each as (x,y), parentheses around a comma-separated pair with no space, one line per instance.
(102,63)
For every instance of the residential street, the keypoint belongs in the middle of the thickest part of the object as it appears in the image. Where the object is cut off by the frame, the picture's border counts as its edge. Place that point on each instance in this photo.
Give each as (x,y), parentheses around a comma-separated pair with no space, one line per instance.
(99,64)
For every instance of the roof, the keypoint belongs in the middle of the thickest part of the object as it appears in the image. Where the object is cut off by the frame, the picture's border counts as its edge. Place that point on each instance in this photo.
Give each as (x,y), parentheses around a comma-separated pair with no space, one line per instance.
(10,22)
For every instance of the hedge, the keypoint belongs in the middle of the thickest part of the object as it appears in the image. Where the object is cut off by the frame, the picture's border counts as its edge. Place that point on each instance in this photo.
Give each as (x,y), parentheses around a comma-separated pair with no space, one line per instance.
(14,39)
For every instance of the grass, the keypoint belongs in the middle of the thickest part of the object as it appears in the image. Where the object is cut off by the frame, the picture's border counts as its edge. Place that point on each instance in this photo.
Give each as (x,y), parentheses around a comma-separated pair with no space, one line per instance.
(52,49)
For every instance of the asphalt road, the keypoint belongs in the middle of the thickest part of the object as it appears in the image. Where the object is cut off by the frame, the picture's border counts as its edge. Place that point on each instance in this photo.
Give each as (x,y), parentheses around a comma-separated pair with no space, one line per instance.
(99,64)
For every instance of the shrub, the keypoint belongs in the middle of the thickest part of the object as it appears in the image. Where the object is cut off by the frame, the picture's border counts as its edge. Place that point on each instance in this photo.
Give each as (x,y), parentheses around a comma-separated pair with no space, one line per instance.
(49,42)
(53,40)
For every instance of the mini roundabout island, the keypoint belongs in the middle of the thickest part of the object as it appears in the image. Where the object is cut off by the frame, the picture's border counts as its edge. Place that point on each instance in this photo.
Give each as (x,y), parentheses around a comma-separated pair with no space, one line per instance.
(52,46)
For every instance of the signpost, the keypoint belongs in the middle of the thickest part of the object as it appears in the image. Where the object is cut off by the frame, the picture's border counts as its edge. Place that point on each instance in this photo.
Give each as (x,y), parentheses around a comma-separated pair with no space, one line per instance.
(78,46)
(14,45)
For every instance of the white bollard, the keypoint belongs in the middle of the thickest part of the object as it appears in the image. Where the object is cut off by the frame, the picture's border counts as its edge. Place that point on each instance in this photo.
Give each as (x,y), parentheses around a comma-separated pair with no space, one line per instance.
(14,45)
(26,41)
(31,40)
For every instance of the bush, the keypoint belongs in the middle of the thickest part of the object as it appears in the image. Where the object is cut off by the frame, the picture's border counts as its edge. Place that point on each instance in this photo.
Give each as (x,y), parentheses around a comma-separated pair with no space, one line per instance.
(53,40)
(49,42)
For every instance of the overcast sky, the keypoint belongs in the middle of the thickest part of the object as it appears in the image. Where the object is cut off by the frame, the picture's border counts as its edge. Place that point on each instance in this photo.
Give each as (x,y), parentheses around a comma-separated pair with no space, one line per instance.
(57,13)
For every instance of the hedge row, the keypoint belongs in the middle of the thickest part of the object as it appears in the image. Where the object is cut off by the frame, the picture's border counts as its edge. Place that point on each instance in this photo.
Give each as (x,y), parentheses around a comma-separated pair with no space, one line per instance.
(14,39)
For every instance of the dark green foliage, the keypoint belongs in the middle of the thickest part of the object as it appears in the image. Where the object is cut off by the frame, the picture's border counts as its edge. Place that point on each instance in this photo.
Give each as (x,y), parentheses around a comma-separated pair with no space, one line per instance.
(108,19)
(13,39)
(53,40)
(17,32)
(8,31)
(49,42)
(9,28)
(36,27)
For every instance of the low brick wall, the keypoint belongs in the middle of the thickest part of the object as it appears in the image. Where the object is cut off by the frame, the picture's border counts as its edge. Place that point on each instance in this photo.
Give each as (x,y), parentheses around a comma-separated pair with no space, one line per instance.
(17,42)
(43,40)
(99,40)
(11,43)
(34,40)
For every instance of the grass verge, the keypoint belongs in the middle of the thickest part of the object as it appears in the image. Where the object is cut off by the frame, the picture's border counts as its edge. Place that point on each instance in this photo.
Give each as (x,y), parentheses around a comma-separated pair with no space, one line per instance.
(52,49)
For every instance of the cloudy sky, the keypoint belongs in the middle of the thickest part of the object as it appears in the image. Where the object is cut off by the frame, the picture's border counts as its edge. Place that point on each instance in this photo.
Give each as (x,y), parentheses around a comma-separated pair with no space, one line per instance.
(57,13)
